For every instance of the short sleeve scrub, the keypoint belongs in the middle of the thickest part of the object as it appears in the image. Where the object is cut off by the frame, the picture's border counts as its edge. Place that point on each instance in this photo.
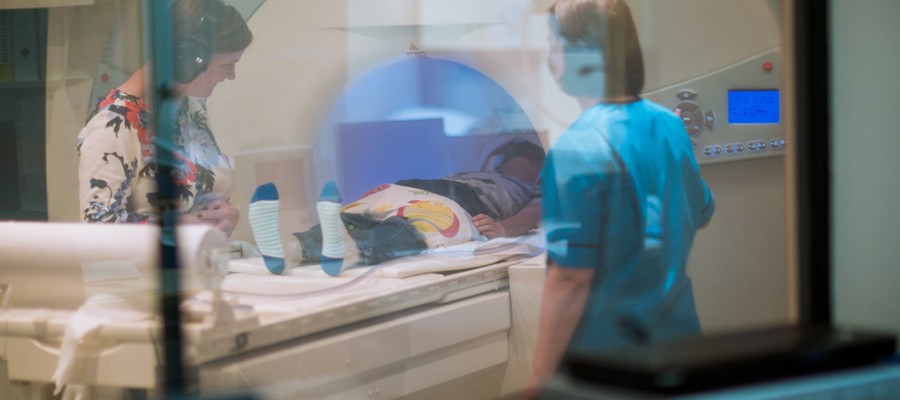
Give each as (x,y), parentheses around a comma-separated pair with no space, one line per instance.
(623,195)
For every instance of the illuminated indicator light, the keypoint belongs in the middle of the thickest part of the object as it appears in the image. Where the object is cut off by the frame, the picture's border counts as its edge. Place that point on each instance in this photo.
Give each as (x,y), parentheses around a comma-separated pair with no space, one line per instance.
(767,66)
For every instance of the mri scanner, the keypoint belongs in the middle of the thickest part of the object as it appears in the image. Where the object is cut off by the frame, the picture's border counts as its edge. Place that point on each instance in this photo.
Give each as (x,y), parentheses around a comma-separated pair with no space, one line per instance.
(368,91)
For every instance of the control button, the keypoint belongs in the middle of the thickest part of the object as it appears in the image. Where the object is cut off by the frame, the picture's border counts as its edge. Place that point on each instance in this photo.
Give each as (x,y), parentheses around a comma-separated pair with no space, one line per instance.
(729,148)
(688,106)
(782,142)
(751,146)
(694,142)
(710,118)
(686,94)
(698,118)
(707,151)
(738,147)
(761,145)
(768,66)
(717,150)
(775,143)
(691,115)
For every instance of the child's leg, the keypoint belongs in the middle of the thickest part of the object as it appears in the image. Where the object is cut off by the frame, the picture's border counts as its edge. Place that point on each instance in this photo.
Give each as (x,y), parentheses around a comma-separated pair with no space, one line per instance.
(380,241)
(377,240)
(336,255)
(264,222)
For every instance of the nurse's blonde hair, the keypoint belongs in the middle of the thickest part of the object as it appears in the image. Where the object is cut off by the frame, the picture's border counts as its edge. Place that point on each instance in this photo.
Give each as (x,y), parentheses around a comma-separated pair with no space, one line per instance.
(606,25)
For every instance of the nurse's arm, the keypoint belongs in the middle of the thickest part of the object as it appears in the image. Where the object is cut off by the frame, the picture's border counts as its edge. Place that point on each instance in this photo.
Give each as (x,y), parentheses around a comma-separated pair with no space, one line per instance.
(562,304)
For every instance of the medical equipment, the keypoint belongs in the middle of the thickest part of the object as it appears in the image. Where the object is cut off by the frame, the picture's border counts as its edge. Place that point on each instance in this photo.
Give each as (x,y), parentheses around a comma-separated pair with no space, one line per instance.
(733,113)
(60,265)
(255,312)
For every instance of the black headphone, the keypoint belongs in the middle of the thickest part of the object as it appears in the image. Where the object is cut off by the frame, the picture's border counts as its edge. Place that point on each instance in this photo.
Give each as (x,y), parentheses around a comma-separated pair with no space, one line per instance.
(191,54)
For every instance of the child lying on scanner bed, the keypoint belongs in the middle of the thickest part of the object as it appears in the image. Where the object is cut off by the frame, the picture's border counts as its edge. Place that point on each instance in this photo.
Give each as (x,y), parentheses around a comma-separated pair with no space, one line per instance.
(407,217)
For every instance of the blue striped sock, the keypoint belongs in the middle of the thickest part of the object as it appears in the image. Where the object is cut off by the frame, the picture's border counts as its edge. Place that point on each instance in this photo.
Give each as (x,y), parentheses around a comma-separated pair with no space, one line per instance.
(264,222)
(333,248)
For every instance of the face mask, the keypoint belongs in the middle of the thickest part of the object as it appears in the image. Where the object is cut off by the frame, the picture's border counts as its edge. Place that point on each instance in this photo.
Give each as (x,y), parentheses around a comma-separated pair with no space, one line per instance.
(584,74)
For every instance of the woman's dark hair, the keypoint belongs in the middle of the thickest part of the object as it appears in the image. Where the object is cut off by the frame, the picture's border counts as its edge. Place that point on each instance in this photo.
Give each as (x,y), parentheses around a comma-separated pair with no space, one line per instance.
(606,25)
(231,32)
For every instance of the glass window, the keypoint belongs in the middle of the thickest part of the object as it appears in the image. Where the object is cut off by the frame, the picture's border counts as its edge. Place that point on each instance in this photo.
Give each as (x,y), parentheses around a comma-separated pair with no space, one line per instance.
(368,193)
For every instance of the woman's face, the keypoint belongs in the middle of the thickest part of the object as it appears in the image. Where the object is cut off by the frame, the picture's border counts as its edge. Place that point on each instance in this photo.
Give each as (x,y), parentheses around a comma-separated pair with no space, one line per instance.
(220,68)
(556,59)
(577,70)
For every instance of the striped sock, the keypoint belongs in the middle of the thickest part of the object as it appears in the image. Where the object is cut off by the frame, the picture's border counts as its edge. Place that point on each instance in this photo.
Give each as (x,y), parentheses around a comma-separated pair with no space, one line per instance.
(333,248)
(264,222)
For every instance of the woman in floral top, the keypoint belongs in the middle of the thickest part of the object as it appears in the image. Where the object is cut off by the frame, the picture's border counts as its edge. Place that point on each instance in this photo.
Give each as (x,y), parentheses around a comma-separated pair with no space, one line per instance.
(117,146)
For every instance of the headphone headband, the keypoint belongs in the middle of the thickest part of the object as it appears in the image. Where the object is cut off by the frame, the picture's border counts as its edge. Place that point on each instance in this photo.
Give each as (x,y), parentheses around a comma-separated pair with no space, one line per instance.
(193,53)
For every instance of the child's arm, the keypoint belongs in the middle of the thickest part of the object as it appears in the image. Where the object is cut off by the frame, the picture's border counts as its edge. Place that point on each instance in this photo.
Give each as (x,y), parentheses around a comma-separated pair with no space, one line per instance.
(517,225)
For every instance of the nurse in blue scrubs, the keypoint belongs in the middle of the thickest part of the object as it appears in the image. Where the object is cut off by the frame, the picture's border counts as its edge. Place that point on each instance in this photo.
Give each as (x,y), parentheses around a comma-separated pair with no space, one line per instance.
(623,198)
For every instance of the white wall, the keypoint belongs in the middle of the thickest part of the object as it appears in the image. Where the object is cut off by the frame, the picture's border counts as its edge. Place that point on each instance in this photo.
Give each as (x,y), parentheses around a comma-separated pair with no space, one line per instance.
(865,94)
(287,80)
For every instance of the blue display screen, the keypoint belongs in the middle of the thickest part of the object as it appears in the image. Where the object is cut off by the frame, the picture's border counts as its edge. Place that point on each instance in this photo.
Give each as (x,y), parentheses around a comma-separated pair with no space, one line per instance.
(753,107)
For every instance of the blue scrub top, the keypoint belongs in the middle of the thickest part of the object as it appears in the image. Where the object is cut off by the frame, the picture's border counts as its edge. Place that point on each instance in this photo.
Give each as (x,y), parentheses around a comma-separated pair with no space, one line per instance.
(623,195)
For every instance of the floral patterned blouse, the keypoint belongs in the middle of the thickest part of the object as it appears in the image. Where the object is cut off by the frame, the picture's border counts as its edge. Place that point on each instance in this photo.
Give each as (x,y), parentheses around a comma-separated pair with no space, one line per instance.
(117,169)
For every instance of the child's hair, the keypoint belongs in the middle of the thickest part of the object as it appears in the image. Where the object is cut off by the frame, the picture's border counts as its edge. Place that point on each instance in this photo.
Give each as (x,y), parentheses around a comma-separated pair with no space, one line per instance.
(606,25)
(520,147)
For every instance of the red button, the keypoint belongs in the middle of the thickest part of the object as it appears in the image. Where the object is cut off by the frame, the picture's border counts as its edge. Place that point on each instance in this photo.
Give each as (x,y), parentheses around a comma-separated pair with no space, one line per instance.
(767,66)
(104,77)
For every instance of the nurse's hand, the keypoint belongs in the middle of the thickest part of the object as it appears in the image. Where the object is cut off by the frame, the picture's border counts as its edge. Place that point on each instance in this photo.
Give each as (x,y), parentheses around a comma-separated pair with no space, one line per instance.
(222,214)
(488,227)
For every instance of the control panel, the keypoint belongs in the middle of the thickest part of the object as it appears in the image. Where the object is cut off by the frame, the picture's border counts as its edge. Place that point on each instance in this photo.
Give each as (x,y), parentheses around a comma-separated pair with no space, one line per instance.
(733,113)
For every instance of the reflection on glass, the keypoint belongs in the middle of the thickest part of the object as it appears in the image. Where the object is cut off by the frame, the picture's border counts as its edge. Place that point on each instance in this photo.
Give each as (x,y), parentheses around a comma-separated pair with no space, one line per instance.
(377,170)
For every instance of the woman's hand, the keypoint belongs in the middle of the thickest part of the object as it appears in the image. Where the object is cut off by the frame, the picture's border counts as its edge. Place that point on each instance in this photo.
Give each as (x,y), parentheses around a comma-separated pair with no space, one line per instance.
(190,218)
(220,213)
(488,227)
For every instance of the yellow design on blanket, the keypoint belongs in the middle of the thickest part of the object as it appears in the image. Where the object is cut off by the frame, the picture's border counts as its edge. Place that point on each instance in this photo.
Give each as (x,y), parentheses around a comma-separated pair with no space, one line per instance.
(440,220)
